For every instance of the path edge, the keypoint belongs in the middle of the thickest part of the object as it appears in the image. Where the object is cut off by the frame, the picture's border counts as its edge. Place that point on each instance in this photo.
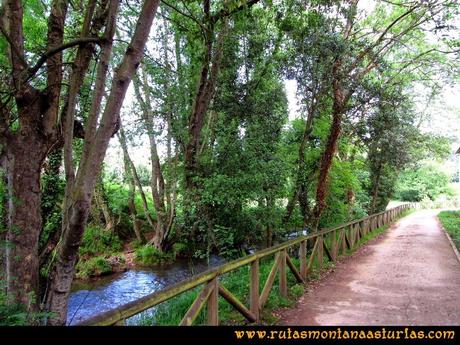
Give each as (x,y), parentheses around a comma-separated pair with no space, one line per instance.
(452,244)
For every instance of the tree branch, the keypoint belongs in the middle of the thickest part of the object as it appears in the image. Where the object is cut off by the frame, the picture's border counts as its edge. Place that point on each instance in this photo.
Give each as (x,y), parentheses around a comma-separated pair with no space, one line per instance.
(50,53)
(182,13)
(366,51)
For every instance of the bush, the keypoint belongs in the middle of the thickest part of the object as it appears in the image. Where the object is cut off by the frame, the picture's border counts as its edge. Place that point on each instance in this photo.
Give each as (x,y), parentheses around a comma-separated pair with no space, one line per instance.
(118,200)
(12,314)
(428,181)
(179,248)
(97,241)
(96,266)
(149,255)
(225,241)
(297,290)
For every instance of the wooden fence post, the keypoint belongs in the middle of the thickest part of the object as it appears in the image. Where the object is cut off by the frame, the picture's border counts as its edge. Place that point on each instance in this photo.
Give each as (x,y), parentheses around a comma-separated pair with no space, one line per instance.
(334,245)
(344,241)
(282,274)
(254,289)
(320,252)
(213,304)
(303,259)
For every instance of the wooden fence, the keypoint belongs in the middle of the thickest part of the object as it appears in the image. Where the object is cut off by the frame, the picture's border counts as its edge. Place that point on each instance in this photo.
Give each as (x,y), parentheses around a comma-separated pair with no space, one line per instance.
(330,243)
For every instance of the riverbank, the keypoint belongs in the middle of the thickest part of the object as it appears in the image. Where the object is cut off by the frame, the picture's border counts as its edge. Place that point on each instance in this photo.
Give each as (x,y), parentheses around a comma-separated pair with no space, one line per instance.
(95,295)
(102,255)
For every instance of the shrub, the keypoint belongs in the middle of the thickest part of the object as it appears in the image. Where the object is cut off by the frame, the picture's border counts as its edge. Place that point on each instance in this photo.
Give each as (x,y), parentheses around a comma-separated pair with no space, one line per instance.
(97,241)
(428,181)
(96,266)
(179,248)
(149,255)
(12,314)
(297,290)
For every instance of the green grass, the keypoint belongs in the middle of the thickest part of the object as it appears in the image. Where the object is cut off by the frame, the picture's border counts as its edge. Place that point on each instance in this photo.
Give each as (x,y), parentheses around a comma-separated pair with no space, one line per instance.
(172,311)
(450,220)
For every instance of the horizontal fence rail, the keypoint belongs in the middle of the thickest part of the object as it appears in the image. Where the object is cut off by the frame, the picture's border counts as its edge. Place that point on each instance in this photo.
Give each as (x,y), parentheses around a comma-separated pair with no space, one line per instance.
(330,243)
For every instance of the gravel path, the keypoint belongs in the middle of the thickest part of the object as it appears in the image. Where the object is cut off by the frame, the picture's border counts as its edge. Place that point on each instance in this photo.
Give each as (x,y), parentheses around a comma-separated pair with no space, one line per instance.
(407,276)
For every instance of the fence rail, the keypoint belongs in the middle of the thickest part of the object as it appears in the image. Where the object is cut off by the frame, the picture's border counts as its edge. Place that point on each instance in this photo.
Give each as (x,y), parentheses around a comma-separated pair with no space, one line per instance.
(331,242)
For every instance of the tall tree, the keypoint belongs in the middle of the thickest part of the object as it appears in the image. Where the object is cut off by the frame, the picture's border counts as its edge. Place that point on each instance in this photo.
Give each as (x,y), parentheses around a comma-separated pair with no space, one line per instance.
(356,61)
(30,126)
(78,200)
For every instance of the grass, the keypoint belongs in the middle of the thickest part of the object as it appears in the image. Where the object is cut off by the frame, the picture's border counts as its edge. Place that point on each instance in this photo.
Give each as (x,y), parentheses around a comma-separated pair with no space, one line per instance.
(172,311)
(450,220)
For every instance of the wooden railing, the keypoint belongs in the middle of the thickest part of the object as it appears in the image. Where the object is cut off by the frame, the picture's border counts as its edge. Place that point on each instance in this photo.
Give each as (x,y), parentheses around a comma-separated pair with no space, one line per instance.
(331,242)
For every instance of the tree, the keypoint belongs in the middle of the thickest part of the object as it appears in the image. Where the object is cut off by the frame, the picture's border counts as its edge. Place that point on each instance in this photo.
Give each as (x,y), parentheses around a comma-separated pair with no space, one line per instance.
(38,129)
(30,125)
(355,61)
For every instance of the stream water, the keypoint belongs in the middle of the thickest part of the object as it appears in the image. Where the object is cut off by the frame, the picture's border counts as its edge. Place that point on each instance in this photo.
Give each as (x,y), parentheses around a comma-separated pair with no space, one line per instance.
(104,293)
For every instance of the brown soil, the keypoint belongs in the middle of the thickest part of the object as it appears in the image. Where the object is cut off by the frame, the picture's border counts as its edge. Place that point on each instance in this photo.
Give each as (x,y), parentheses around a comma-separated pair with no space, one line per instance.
(408,276)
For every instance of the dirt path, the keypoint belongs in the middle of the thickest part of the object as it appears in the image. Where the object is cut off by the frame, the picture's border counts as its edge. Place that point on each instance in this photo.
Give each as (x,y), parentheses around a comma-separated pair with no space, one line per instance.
(408,276)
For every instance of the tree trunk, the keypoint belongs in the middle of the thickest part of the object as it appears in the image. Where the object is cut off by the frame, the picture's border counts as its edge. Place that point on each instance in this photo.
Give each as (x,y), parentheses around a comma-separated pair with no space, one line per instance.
(102,207)
(205,92)
(338,107)
(91,163)
(132,190)
(300,188)
(375,190)
(23,168)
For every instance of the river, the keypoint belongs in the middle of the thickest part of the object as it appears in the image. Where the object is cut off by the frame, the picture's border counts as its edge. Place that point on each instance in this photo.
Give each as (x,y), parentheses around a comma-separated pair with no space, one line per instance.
(100,294)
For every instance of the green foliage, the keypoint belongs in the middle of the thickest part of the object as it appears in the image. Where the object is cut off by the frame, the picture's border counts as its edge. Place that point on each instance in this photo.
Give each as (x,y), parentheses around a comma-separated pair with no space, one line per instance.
(136,244)
(52,196)
(143,173)
(12,314)
(3,199)
(149,255)
(99,241)
(225,241)
(117,195)
(179,248)
(95,266)
(451,222)
(297,290)
(427,181)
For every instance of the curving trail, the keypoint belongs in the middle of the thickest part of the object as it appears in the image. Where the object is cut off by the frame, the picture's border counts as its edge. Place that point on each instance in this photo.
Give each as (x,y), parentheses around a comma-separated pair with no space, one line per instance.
(410,275)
